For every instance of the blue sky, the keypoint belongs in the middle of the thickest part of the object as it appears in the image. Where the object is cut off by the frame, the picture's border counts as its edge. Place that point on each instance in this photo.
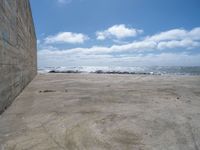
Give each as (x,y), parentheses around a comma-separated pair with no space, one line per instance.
(117,32)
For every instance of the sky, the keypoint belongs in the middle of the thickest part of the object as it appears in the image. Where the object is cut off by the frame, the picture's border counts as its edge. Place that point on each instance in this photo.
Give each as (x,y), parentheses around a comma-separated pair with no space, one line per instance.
(117,32)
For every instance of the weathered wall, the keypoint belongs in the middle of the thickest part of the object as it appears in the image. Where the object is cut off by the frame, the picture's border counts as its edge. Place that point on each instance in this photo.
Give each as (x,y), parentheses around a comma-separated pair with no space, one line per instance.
(18,64)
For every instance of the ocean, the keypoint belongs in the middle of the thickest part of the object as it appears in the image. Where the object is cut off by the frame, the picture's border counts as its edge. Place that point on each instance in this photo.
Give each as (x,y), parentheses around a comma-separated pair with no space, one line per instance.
(153,70)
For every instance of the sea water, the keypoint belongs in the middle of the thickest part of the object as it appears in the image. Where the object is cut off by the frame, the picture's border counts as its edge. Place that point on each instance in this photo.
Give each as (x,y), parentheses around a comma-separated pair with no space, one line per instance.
(157,70)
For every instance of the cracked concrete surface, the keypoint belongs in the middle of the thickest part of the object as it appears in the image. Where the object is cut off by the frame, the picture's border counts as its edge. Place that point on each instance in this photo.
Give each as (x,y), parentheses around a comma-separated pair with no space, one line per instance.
(103,112)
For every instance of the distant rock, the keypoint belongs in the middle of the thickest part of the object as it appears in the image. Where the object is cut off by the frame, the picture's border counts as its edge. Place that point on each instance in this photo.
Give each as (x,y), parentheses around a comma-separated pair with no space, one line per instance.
(67,71)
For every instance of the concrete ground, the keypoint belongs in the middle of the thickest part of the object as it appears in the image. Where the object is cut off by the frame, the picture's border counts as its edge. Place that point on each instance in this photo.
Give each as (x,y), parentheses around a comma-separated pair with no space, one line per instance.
(103,112)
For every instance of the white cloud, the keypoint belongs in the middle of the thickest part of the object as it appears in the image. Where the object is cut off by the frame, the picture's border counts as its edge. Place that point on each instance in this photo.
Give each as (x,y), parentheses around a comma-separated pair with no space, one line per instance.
(195,33)
(176,34)
(96,50)
(117,31)
(185,43)
(176,38)
(67,37)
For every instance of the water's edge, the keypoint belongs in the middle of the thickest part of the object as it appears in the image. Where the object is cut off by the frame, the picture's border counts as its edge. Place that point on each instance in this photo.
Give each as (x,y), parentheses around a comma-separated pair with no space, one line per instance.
(166,70)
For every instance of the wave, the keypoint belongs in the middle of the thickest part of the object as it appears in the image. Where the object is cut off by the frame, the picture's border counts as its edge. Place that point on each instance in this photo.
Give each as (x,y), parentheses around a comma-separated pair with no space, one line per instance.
(155,70)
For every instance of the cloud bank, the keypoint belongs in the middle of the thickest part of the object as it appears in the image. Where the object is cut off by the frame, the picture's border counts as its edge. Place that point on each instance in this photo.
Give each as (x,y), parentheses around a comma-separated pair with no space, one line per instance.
(172,47)
(62,58)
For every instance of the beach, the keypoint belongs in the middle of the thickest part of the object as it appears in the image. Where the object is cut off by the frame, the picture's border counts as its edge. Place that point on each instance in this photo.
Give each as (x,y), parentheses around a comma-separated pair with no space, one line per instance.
(104,111)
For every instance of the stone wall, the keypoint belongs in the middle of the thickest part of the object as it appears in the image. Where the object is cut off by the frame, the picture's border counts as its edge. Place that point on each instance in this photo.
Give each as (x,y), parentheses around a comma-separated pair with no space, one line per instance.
(18,64)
